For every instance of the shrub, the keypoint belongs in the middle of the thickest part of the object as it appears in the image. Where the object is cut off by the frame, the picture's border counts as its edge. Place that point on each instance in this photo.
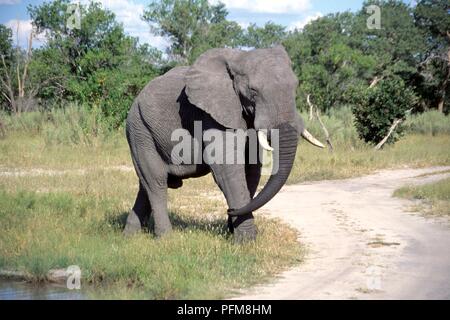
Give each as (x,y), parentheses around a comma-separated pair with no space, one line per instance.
(375,109)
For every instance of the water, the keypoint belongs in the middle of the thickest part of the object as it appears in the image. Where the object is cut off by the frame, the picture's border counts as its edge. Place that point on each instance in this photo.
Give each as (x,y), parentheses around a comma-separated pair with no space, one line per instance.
(21,290)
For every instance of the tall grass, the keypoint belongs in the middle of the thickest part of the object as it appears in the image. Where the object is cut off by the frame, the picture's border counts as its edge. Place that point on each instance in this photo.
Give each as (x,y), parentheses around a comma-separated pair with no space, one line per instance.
(430,123)
(73,124)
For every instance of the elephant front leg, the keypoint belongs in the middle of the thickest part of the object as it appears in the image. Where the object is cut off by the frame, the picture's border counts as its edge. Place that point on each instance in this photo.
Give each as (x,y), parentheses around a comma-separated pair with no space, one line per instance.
(231,179)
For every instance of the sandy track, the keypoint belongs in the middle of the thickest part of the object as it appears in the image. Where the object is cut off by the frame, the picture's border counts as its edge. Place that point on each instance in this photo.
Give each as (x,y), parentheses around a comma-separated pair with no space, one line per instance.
(362,243)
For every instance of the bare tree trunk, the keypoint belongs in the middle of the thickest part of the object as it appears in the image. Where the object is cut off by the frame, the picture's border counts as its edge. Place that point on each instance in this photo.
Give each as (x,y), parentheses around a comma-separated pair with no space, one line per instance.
(391,129)
(444,88)
(440,106)
(310,108)
(327,135)
(17,100)
(375,81)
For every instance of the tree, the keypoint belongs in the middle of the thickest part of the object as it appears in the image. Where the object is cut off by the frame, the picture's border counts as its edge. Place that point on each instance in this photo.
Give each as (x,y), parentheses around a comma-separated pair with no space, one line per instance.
(217,35)
(97,65)
(14,81)
(6,45)
(264,37)
(326,61)
(396,46)
(190,24)
(433,18)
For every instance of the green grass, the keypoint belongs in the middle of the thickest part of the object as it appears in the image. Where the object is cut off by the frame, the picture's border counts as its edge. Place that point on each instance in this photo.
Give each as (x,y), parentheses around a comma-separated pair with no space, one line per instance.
(55,229)
(435,197)
(69,218)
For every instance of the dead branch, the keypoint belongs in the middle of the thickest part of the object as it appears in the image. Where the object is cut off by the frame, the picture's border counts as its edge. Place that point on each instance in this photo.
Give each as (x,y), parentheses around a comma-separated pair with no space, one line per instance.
(8,86)
(391,130)
(310,108)
(374,82)
(27,62)
(327,135)
(16,94)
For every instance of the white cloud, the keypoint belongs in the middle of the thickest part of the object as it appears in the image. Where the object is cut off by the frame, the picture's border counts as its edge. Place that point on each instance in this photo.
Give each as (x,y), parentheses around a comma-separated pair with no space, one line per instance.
(22,37)
(9,2)
(300,24)
(268,6)
(129,14)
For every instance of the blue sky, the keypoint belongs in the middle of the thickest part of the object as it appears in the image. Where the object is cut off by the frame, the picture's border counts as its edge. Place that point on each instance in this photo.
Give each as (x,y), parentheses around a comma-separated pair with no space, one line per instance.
(290,13)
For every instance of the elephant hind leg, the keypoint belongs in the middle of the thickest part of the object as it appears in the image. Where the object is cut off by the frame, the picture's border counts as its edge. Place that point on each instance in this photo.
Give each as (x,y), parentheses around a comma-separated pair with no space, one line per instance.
(152,173)
(139,215)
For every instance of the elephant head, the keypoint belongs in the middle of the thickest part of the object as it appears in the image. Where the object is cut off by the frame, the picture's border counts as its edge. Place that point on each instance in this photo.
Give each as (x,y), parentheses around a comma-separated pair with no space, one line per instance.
(251,89)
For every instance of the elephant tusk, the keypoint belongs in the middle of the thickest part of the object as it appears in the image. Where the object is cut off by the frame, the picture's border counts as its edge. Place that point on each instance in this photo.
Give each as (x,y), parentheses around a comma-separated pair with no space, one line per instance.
(262,138)
(309,137)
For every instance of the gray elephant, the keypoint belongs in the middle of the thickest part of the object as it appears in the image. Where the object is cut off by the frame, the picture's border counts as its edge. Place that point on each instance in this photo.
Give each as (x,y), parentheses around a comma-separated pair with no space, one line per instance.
(225,89)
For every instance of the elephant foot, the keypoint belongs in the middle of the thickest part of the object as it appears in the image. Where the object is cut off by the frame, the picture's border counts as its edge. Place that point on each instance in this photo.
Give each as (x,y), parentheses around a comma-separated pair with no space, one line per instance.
(133,224)
(244,236)
(243,228)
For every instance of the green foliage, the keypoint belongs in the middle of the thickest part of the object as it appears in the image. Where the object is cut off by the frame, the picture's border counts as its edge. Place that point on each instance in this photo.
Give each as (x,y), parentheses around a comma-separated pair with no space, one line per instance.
(5,41)
(264,37)
(433,19)
(327,62)
(97,65)
(375,109)
(335,57)
(192,26)
(6,56)
(396,45)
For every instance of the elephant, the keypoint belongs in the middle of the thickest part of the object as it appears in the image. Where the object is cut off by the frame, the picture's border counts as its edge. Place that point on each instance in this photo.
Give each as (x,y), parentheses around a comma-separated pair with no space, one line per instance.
(224,89)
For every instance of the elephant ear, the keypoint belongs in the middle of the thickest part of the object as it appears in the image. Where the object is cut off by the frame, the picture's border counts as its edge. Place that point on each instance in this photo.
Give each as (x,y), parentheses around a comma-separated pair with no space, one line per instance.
(209,86)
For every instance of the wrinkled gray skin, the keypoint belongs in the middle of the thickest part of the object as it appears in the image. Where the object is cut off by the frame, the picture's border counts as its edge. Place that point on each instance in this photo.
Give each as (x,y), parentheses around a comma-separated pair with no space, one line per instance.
(224,88)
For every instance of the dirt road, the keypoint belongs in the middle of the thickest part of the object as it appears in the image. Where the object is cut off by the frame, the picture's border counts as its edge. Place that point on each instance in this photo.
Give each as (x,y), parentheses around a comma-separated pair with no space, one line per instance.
(362,242)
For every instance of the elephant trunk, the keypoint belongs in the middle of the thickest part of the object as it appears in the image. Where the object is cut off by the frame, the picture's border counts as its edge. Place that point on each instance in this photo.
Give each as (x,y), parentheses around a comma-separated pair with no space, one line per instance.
(288,139)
